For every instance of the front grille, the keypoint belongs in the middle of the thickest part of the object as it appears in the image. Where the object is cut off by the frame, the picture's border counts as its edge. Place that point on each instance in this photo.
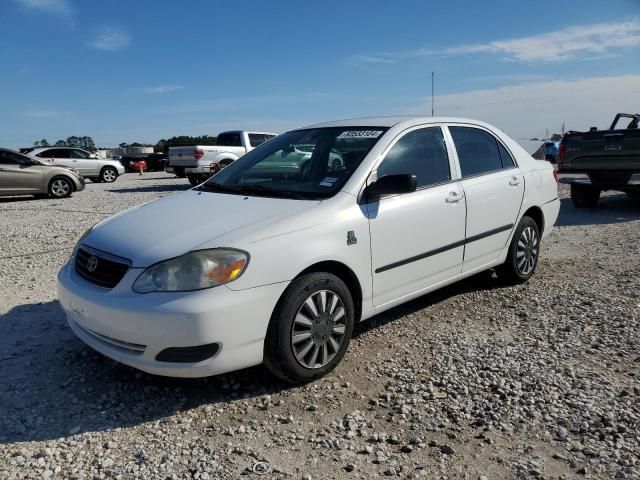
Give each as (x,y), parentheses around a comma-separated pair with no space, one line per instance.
(99,270)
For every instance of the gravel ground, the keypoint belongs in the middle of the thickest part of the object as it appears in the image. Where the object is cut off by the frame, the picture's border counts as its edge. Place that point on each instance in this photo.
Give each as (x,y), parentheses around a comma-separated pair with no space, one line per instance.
(477,381)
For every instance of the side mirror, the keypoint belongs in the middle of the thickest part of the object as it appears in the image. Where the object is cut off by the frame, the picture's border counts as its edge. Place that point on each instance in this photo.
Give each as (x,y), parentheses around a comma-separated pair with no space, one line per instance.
(392,184)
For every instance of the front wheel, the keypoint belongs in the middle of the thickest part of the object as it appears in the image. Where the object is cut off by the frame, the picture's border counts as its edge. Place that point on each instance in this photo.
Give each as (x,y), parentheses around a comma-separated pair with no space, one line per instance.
(60,187)
(310,328)
(108,174)
(524,251)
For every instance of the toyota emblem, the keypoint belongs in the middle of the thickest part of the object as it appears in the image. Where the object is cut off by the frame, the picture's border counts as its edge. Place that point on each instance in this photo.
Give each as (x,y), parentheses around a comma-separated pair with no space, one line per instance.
(92,263)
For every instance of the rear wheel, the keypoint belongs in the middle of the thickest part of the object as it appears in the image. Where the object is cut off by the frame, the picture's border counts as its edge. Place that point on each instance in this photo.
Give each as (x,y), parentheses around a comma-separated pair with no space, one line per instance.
(584,196)
(60,187)
(524,250)
(194,180)
(310,328)
(108,174)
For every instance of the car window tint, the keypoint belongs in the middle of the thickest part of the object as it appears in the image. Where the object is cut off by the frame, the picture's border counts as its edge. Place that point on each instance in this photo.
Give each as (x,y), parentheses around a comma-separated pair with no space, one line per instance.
(422,153)
(507,159)
(256,139)
(79,154)
(230,139)
(8,158)
(477,150)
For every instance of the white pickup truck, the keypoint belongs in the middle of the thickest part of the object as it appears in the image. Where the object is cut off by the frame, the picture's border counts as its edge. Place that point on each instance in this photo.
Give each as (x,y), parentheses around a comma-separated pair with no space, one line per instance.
(199,162)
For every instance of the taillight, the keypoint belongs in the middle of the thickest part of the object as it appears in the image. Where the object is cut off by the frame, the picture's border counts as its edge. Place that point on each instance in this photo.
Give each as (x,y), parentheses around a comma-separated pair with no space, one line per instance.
(198,154)
(561,153)
(556,175)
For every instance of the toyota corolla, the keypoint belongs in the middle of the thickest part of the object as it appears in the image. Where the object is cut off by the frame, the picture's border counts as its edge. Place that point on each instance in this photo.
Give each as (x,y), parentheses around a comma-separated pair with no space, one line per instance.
(264,265)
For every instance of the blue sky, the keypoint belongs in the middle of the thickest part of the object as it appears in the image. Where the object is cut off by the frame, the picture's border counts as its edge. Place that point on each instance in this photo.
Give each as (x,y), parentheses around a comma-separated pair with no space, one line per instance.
(124,71)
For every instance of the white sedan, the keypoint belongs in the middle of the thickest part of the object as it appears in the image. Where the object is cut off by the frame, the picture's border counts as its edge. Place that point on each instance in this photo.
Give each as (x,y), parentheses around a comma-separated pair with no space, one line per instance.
(256,266)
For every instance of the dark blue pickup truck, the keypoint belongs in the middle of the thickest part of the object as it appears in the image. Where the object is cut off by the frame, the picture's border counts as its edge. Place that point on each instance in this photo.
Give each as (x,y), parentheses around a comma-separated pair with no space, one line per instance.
(609,158)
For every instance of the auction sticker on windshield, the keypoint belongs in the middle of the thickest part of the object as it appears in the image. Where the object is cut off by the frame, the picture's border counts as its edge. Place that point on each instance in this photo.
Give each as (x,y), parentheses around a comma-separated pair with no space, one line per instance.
(360,134)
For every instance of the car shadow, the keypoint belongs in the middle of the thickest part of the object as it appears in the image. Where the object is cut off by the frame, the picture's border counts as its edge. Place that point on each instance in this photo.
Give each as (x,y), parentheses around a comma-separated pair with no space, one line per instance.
(611,209)
(486,280)
(54,385)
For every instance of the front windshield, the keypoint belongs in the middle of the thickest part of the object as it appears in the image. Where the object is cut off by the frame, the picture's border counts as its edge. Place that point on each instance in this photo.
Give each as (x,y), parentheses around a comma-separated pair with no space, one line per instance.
(305,164)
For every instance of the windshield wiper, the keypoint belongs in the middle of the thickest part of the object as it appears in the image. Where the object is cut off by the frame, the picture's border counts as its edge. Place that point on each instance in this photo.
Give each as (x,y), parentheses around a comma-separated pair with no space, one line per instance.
(260,190)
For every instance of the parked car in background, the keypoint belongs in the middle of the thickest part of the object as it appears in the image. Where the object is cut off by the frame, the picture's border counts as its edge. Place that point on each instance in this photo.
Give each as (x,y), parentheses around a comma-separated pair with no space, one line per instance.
(199,162)
(609,158)
(260,265)
(154,162)
(23,175)
(88,164)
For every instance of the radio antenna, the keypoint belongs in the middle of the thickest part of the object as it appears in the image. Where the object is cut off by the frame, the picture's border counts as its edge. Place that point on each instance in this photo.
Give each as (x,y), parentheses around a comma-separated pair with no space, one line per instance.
(432,90)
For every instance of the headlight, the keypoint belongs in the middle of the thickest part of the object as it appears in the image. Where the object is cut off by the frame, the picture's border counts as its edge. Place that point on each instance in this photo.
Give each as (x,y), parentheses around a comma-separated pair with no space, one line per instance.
(193,271)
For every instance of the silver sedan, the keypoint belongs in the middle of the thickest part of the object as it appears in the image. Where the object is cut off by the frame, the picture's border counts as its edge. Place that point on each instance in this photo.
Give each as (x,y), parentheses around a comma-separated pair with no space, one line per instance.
(21,175)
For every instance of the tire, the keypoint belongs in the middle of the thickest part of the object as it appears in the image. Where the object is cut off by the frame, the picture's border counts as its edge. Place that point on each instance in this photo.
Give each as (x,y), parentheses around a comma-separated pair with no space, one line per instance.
(584,196)
(108,175)
(194,180)
(634,195)
(60,187)
(524,251)
(322,338)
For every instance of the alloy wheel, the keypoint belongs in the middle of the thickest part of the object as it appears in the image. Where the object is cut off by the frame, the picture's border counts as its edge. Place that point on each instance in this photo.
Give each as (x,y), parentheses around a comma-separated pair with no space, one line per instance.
(109,175)
(527,251)
(319,329)
(60,188)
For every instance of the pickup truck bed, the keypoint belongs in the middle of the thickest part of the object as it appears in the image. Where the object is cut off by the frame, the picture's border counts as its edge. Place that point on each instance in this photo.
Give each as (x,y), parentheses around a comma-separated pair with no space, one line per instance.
(609,158)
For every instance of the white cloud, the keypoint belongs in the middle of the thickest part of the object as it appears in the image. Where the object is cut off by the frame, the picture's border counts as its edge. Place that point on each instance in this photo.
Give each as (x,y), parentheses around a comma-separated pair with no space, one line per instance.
(161,89)
(41,114)
(580,41)
(525,111)
(58,7)
(111,39)
(568,43)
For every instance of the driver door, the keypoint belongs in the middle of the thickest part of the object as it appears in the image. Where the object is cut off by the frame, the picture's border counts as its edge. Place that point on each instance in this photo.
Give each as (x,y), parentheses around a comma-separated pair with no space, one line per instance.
(417,239)
(18,175)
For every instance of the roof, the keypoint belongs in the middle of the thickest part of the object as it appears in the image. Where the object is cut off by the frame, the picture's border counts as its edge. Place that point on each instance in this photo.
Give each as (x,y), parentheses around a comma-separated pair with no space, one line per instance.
(390,121)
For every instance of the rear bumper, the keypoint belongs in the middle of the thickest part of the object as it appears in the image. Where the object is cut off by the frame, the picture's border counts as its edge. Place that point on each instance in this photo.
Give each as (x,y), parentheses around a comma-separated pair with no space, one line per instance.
(134,328)
(550,211)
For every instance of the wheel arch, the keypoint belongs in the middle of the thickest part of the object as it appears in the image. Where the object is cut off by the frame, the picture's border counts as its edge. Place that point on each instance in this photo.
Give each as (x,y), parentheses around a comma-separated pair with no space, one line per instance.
(536,214)
(344,273)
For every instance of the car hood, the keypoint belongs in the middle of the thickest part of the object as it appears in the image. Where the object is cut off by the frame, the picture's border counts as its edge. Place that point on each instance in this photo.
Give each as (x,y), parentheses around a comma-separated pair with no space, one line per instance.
(174,225)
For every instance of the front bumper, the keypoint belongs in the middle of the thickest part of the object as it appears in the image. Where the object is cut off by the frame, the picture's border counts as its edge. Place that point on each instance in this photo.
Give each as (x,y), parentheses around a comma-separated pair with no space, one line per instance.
(134,328)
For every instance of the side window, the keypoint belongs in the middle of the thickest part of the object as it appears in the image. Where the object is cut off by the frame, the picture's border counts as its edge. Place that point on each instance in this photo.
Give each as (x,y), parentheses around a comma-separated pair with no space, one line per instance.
(54,153)
(422,153)
(44,154)
(7,158)
(79,154)
(477,150)
(229,139)
(256,139)
(507,159)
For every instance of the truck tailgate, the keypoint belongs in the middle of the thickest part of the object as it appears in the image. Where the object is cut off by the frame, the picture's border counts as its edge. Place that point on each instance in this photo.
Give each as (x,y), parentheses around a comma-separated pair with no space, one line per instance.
(182,157)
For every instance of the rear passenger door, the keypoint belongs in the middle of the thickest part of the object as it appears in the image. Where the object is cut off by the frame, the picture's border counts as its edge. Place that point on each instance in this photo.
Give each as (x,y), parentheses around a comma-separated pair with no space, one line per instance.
(493,187)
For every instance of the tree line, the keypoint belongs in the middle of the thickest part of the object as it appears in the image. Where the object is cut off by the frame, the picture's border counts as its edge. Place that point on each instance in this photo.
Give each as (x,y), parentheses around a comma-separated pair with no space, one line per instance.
(86,143)
(161,146)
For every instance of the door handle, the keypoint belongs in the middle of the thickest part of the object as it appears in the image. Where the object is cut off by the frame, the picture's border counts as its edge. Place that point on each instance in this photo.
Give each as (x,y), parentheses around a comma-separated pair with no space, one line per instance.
(514,182)
(454,197)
